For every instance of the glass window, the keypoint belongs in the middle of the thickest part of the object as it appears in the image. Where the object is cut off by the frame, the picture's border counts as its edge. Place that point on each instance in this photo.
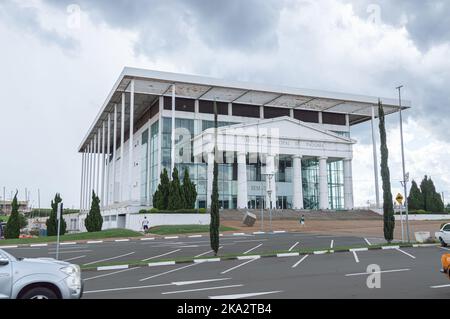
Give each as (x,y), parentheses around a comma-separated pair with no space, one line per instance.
(310,182)
(336,185)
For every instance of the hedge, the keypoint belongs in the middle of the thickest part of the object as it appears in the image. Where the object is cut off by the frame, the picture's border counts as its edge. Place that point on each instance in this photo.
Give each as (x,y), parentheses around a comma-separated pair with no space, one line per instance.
(45,212)
(179,211)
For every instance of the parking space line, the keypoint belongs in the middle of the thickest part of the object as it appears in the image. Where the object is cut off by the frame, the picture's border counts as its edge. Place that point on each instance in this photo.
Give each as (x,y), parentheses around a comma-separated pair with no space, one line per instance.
(293,246)
(368,242)
(332,243)
(111,273)
(38,245)
(206,252)
(377,272)
(162,263)
(356,256)
(69,251)
(126,288)
(439,247)
(251,249)
(68,243)
(151,238)
(95,241)
(106,259)
(75,258)
(171,237)
(288,255)
(121,240)
(170,252)
(239,296)
(200,289)
(407,254)
(195,236)
(240,265)
(168,272)
(440,286)
(298,262)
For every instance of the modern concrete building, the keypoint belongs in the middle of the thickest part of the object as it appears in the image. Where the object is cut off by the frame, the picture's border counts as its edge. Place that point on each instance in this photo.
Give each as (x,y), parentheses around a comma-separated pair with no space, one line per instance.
(285,146)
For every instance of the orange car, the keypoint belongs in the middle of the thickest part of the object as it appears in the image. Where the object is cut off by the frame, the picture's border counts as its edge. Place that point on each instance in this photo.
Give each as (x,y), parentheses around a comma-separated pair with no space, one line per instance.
(445,261)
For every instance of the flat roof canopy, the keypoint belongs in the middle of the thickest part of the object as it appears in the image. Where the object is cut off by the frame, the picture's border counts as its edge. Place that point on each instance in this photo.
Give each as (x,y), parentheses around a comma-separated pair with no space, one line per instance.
(149,85)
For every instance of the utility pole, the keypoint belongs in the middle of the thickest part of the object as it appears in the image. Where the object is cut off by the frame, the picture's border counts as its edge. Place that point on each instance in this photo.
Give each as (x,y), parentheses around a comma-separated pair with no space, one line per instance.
(403,161)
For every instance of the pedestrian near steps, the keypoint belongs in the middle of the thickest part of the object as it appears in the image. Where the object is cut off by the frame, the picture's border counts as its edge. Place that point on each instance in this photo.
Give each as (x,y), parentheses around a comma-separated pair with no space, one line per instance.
(145,224)
(302,220)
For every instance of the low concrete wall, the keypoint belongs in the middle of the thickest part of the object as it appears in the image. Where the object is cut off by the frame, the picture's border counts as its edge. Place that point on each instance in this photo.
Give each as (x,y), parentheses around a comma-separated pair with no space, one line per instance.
(424,217)
(134,221)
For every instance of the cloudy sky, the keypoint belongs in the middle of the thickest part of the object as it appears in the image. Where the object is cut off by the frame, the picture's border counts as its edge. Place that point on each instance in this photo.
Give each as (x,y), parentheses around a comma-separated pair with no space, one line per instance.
(60,58)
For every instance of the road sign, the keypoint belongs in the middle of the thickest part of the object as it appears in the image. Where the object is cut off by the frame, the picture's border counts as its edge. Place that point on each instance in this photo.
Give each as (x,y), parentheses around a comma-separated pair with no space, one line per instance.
(399,198)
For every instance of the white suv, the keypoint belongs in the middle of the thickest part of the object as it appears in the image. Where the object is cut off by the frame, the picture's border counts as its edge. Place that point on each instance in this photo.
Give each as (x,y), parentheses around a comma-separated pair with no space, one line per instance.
(38,278)
(444,235)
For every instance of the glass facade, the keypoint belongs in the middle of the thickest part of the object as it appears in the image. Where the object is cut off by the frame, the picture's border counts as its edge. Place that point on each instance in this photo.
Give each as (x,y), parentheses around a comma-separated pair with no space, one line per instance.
(144,168)
(310,182)
(154,159)
(198,175)
(335,172)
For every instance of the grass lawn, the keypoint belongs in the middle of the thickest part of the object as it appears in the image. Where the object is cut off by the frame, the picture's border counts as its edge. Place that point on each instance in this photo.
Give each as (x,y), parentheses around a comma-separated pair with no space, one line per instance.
(184,229)
(110,233)
(4,218)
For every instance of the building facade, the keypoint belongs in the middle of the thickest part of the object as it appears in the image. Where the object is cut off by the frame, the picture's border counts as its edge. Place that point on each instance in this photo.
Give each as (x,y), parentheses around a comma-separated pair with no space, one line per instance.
(280,147)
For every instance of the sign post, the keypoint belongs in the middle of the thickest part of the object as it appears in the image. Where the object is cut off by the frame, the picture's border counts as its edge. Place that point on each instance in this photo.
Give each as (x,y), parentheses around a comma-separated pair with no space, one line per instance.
(58,218)
(399,200)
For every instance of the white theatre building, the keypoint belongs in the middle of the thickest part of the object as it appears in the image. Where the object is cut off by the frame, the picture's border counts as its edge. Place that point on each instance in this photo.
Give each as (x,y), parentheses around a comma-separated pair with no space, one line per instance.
(288,147)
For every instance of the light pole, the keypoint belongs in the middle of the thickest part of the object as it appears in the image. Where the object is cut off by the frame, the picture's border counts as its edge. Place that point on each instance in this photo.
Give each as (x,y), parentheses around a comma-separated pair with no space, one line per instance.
(269,193)
(404,184)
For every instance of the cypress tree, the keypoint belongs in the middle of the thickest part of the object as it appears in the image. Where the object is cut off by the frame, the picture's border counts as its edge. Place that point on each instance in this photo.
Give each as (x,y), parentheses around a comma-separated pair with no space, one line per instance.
(175,201)
(94,219)
(161,196)
(215,219)
(188,191)
(415,198)
(388,207)
(52,221)
(13,226)
(432,200)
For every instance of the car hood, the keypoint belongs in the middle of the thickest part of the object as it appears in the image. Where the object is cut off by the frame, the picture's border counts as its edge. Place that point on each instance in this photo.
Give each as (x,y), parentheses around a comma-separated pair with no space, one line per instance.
(48,261)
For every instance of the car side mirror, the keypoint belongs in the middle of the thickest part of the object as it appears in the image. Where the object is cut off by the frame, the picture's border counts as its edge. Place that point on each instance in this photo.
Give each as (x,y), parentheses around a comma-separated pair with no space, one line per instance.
(4,262)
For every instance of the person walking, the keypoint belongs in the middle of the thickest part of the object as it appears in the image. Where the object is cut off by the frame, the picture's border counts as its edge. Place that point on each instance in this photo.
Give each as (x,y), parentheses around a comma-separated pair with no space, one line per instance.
(302,220)
(145,224)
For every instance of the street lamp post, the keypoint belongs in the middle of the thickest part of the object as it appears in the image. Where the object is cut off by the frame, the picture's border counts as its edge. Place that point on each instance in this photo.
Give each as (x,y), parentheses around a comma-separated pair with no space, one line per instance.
(404,184)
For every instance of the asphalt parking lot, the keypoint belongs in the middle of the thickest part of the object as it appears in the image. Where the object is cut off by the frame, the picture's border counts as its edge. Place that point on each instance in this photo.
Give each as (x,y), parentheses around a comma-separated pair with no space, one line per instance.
(173,247)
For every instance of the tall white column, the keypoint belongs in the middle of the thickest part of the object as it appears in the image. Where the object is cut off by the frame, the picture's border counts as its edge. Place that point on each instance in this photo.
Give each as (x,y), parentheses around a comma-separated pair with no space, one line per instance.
(102,199)
(113,190)
(122,140)
(271,182)
(131,143)
(108,153)
(91,173)
(210,171)
(97,186)
(297,200)
(323,183)
(242,198)
(82,181)
(94,168)
(348,184)
(172,151)
(375,161)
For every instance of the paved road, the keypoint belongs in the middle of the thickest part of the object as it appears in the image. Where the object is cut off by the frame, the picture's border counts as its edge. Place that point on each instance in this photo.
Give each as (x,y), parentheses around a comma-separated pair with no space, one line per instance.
(405,273)
(172,248)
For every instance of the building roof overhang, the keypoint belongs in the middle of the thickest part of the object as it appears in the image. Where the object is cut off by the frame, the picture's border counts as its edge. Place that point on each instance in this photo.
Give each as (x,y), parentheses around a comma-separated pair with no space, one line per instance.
(149,85)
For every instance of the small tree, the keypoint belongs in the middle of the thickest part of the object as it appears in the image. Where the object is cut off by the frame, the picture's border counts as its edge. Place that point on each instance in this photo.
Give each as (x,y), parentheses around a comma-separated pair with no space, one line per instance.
(415,198)
(432,201)
(52,221)
(388,207)
(161,196)
(188,191)
(215,219)
(13,224)
(94,219)
(175,197)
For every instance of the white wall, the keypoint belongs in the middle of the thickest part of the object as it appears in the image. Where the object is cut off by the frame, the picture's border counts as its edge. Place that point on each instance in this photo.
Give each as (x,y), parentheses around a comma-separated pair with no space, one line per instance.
(424,217)
(134,221)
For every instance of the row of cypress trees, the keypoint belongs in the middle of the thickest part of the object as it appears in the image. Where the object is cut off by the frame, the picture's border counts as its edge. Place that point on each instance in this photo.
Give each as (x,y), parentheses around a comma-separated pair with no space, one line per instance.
(425,198)
(172,195)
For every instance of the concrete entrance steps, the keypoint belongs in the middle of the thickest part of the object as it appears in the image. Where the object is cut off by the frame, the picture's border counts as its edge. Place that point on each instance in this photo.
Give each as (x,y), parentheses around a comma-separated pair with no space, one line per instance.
(288,214)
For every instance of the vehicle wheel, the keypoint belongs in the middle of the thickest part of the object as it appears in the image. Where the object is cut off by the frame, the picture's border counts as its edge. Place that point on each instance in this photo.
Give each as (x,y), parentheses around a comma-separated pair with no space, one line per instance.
(443,244)
(39,293)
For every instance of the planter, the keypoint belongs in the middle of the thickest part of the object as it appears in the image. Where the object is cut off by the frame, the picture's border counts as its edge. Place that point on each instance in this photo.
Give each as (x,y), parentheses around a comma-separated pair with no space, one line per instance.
(423,236)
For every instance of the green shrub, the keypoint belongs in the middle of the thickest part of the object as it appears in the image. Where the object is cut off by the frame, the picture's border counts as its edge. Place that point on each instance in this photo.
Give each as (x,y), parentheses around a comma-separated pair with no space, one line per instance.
(202,210)
(177,211)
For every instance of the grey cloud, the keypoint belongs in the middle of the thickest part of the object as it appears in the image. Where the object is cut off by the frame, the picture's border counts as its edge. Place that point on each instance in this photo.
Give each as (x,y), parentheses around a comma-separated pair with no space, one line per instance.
(26,19)
(427,21)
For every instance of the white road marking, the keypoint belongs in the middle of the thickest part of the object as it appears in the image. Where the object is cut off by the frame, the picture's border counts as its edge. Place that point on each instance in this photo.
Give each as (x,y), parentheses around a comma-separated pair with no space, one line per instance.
(121,240)
(38,245)
(68,243)
(390,247)
(439,247)
(288,255)
(170,252)
(240,265)
(70,251)
(111,258)
(359,249)
(195,236)
(356,256)
(75,258)
(440,286)
(258,233)
(298,262)
(293,246)
(238,234)
(95,241)
(207,260)
(200,289)
(151,238)
(162,263)
(113,267)
(249,241)
(206,252)
(251,249)
(193,282)
(368,242)
(332,243)
(279,231)
(377,272)
(167,272)
(171,237)
(248,257)
(126,288)
(239,296)
(6,247)
(407,254)
(112,273)
(320,252)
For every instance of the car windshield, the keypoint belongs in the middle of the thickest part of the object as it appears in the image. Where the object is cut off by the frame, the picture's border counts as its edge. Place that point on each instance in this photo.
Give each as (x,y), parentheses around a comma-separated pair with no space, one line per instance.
(4,254)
